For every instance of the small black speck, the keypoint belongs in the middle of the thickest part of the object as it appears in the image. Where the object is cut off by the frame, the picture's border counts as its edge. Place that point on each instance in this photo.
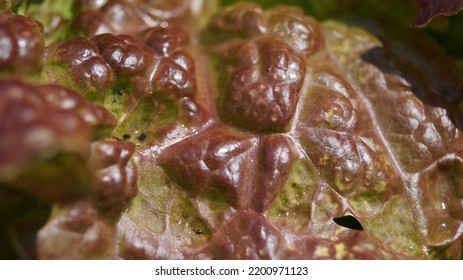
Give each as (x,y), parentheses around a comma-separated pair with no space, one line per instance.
(142,137)
(199,232)
(119,92)
(126,136)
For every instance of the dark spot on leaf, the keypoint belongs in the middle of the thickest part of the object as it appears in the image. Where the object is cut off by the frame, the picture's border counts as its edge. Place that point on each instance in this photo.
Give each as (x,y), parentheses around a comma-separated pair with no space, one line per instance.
(348,221)
(119,92)
(126,136)
(142,137)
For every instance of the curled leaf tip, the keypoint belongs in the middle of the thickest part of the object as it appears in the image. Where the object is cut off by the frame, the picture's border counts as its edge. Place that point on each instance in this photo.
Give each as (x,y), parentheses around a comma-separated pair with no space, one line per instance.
(428,9)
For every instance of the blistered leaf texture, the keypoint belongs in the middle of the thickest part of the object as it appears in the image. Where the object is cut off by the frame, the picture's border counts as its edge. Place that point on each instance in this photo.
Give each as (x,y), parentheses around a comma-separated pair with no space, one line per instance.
(261,64)
(21,43)
(53,126)
(128,16)
(242,134)
(115,175)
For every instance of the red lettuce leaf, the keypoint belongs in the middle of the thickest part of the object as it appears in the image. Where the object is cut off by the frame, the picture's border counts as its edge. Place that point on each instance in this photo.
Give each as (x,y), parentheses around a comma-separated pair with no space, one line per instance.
(250,137)
(428,9)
